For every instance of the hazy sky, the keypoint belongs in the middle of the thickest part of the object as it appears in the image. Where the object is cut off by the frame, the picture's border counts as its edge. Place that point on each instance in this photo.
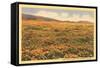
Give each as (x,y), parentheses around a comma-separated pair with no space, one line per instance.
(60,14)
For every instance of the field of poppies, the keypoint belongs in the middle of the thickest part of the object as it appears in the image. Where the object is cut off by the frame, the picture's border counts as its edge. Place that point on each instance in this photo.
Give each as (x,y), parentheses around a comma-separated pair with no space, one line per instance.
(43,40)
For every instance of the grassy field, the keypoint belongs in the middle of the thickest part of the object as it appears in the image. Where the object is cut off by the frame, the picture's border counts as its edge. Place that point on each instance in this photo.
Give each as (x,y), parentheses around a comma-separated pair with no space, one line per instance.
(43,40)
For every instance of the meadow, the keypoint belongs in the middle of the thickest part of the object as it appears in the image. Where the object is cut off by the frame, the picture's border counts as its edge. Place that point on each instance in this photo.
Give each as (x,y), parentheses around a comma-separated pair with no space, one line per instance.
(43,40)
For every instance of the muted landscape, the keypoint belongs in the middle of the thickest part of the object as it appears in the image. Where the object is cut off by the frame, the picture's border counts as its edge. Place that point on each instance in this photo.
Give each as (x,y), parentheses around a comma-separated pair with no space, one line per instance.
(45,38)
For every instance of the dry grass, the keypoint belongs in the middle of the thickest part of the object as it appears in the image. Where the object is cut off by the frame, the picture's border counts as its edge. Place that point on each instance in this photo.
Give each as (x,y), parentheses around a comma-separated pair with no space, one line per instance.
(43,40)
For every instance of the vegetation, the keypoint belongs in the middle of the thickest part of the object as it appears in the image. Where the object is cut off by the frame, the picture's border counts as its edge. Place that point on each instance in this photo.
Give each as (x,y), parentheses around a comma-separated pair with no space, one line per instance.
(42,40)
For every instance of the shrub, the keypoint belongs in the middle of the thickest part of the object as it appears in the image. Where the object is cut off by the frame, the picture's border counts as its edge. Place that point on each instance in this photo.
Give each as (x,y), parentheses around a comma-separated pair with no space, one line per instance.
(85,53)
(72,50)
(54,54)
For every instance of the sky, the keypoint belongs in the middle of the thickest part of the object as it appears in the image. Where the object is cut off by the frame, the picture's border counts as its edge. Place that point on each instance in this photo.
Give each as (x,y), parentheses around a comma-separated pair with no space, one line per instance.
(60,14)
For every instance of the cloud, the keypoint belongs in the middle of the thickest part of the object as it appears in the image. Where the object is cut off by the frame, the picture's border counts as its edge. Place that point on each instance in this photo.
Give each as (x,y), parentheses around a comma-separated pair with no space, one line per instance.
(64,16)
(60,16)
(46,14)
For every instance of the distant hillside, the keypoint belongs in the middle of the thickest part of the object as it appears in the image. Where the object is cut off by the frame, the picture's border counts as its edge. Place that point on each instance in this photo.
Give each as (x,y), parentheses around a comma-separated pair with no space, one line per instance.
(33,17)
(77,21)
(84,22)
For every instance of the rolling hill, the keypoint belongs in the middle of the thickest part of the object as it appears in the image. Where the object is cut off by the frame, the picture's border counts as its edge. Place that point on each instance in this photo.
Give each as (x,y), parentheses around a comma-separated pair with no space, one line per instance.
(33,17)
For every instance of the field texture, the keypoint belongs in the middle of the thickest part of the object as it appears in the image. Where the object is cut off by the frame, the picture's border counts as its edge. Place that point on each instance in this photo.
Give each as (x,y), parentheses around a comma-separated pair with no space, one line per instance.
(43,40)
